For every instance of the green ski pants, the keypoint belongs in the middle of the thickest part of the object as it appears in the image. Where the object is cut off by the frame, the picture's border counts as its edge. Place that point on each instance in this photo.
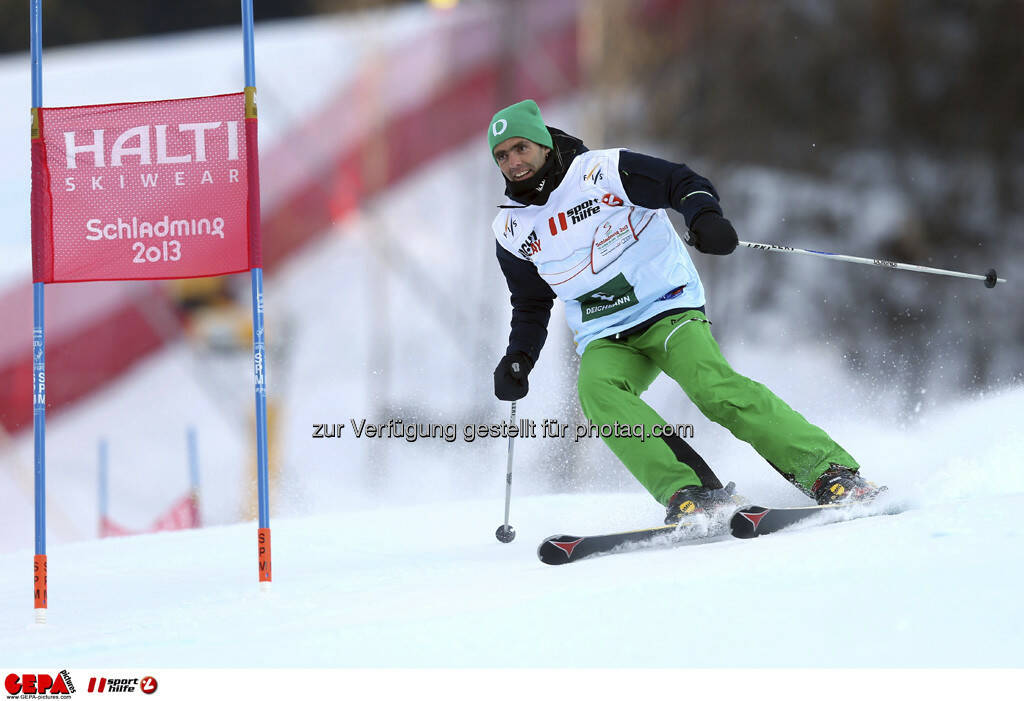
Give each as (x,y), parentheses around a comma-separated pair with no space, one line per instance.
(614,373)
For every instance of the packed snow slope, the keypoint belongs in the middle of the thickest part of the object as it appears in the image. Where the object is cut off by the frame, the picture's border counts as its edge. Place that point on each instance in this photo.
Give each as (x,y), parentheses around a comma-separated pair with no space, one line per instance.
(428,585)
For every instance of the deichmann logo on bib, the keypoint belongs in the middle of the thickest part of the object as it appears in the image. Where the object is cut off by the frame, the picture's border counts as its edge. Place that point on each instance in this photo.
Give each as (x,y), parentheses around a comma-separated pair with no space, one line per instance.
(499,127)
(607,299)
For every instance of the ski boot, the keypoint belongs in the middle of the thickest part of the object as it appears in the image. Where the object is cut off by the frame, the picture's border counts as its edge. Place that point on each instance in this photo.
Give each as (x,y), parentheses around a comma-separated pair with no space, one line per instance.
(710,504)
(840,484)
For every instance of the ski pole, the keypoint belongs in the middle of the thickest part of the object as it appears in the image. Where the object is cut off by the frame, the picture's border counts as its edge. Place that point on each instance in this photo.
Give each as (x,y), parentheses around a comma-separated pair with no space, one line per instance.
(505,532)
(989,278)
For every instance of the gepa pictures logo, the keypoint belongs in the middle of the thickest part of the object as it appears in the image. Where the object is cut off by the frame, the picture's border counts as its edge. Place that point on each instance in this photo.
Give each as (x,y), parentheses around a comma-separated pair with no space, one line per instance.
(59,684)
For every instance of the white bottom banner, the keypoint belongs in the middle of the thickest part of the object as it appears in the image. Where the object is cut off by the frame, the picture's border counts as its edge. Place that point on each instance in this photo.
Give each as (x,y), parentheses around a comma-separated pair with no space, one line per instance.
(836,684)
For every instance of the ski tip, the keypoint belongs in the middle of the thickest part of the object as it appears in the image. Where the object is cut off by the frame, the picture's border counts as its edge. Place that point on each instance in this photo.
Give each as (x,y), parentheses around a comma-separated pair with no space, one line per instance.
(558,549)
(745,521)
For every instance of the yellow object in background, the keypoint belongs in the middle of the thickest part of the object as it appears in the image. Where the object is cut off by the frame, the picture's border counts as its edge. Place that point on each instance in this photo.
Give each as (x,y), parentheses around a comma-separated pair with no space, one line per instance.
(250,510)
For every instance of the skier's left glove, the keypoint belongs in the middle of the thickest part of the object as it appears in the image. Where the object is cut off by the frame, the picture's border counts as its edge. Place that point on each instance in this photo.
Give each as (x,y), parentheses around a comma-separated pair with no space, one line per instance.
(712,233)
(510,377)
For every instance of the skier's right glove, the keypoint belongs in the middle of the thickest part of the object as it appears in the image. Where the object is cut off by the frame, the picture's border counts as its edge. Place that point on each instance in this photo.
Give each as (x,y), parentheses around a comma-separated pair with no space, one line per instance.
(712,233)
(510,381)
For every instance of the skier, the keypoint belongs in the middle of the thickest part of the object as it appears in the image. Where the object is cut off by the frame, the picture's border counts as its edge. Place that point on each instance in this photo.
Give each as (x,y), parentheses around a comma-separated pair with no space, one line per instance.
(590,228)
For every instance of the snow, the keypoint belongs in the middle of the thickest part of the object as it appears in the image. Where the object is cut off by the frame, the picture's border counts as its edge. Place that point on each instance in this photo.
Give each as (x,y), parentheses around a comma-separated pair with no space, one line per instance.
(427,584)
(430,586)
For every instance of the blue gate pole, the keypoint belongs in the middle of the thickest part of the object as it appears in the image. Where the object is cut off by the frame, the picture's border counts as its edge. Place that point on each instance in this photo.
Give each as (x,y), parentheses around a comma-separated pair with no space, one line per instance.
(38,347)
(256,275)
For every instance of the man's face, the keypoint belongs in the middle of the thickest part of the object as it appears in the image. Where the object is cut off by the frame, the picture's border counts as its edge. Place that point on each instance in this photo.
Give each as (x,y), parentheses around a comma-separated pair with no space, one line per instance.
(520,158)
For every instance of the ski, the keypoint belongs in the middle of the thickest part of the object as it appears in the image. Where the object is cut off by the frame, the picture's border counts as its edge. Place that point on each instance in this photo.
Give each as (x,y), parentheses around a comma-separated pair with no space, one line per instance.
(754,521)
(563,549)
(747,522)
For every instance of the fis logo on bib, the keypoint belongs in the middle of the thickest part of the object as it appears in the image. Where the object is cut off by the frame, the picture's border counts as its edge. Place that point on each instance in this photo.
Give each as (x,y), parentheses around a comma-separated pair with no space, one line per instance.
(510,227)
(607,299)
(594,175)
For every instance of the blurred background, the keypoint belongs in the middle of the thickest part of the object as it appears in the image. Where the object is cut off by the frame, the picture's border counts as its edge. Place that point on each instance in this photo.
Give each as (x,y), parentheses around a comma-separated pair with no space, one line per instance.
(878,128)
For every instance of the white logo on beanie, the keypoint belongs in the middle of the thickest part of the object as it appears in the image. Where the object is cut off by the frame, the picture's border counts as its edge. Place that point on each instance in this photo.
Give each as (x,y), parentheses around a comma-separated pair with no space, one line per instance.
(499,127)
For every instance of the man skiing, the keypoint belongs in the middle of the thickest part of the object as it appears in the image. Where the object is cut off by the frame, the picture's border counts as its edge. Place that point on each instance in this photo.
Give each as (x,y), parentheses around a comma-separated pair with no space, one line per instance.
(590,228)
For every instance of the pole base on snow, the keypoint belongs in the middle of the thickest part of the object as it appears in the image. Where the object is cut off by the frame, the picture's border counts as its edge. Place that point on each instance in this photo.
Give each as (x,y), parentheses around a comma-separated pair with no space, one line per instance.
(39,587)
(991,279)
(263,538)
(505,534)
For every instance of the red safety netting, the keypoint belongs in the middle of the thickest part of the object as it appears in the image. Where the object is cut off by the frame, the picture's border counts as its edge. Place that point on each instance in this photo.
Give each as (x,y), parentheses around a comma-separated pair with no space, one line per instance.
(183,514)
(142,190)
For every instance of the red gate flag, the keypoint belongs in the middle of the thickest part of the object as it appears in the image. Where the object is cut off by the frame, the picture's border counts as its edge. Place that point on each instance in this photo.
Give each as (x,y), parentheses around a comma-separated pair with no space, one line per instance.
(141,190)
(182,514)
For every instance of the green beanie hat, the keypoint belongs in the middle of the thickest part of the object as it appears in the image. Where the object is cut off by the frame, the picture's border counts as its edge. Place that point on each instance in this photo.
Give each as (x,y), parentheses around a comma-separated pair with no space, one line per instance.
(521,119)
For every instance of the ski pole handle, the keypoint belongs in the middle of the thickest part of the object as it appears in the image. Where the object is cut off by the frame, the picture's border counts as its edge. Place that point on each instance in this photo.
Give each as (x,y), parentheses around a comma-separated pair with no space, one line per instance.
(990,279)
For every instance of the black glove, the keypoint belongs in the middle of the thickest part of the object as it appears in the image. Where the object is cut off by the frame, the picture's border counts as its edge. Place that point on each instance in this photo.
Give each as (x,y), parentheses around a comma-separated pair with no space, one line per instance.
(712,233)
(510,381)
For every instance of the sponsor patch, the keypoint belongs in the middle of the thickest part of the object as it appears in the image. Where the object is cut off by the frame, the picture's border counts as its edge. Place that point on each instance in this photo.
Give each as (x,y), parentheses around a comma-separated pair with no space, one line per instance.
(607,299)
(530,246)
(573,215)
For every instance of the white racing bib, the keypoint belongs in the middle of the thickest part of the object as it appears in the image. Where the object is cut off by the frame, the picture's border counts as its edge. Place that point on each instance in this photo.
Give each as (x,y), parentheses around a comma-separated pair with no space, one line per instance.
(613,263)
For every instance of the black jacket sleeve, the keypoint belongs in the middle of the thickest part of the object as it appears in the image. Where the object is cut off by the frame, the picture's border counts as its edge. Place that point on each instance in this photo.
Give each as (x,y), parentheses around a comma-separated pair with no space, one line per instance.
(658,184)
(532,299)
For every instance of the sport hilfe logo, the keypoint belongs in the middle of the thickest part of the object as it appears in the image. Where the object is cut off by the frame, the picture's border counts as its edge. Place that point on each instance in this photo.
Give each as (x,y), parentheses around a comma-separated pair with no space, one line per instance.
(102,685)
(573,215)
(39,684)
